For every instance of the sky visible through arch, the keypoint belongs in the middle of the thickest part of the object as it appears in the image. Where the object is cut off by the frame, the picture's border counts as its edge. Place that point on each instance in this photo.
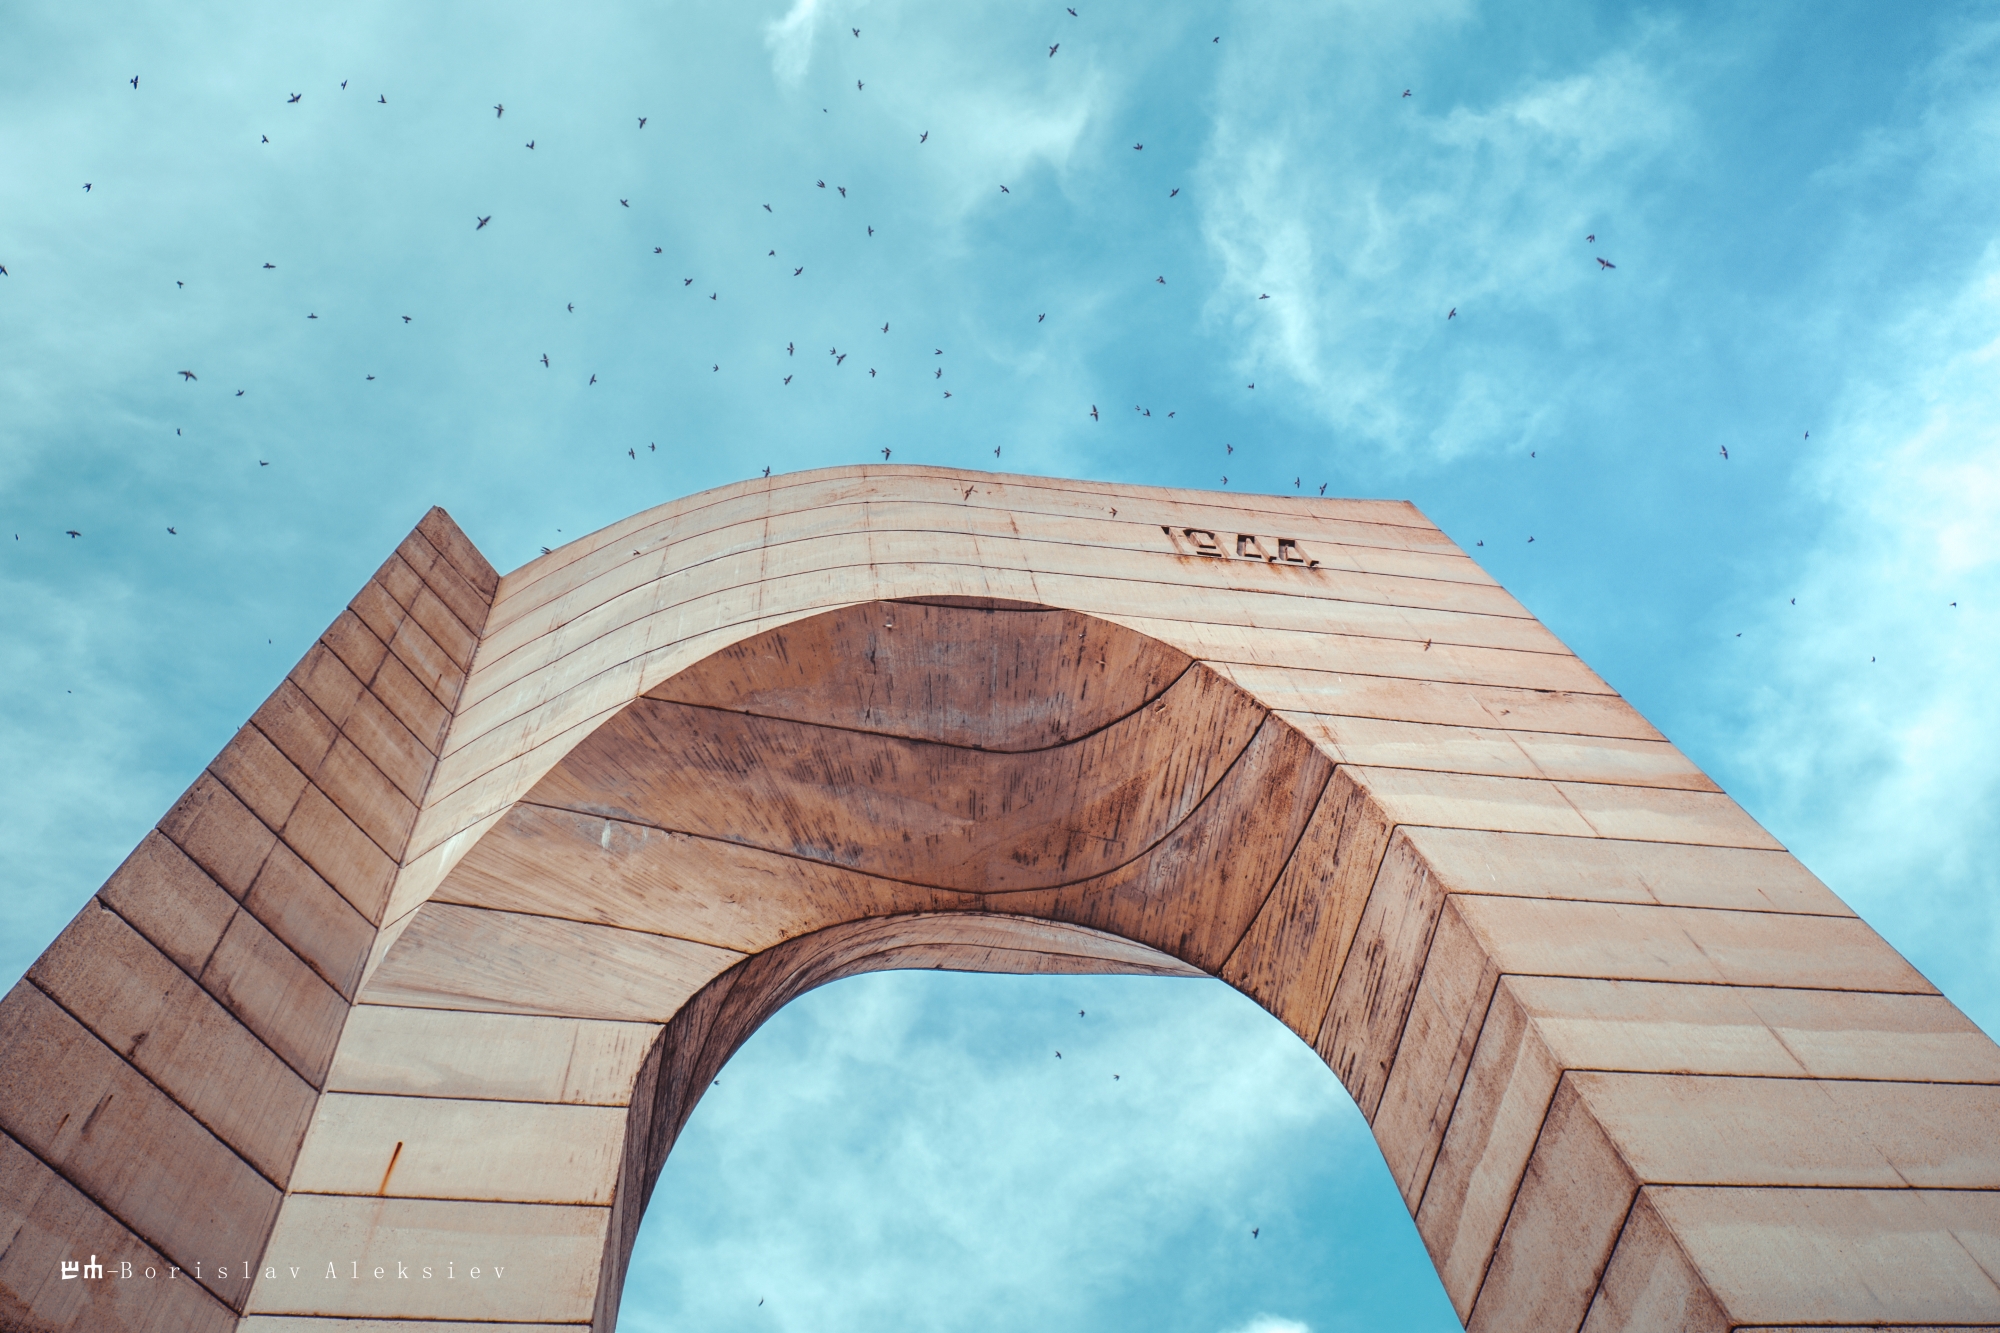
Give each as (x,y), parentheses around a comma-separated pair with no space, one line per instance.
(1800,201)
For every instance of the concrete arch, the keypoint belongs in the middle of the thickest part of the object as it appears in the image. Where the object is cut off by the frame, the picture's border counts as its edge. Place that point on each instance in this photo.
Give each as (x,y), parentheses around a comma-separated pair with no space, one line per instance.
(428,969)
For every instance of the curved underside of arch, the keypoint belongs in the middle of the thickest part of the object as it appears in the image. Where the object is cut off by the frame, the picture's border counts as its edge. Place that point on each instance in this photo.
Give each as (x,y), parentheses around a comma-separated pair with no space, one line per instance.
(437,956)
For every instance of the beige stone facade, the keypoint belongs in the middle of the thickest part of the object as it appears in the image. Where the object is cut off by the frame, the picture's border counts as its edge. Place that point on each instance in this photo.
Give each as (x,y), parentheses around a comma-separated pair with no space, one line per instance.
(427,970)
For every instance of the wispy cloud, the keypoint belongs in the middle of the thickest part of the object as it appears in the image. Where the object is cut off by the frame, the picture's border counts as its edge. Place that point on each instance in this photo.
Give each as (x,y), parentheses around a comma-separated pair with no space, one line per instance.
(790,40)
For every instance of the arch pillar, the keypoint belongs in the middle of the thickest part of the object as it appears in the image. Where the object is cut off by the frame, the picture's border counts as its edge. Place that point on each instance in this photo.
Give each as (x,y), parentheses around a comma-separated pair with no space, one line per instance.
(1629,1063)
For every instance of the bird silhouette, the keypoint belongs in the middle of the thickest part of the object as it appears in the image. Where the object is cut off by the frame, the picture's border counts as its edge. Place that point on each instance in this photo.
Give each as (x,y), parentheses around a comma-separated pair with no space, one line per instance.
(857,33)
(1725,453)
(1453,315)
(800,269)
(239,392)
(819,184)
(1093,411)
(687,282)
(312,316)
(135,81)
(262,463)
(632,453)
(925,135)
(996,451)
(1229,448)
(871,230)
(593,380)
(885,328)
(767,472)
(1225,481)
(185,375)
(383,100)
(265,137)
(1162,280)
(624,203)
(1322,491)
(871,372)
(172,533)
(1054,49)
(1590,239)
(293,98)
(788,379)
(270,266)
(1295,483)
(857,85)
(842,189)
(483,221)
(938,374)
(656,249)
(1254,1231)
(712,295)
(1039,318)
(642,122)
(1171,193)
(545,360)
(1406,92)
(838,359)
(937,351)
(86,187)
(885,455)
(343,84)
(715,368)
(767,208)
(788,349)
(1138,147)
(71,532)
(1005,190)
(531,143)
(1603,263)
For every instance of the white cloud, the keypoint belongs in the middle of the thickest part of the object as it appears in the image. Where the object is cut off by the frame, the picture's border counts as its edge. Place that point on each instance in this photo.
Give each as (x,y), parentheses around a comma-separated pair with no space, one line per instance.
(790,40)
(1267,1323)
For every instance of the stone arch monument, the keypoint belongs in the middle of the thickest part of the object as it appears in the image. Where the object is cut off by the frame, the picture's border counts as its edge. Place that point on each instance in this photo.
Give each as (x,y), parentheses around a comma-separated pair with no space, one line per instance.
(394,1018)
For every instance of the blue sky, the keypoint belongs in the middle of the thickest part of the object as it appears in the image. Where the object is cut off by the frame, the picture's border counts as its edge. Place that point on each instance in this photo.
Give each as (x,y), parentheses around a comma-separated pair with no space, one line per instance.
(1801,202)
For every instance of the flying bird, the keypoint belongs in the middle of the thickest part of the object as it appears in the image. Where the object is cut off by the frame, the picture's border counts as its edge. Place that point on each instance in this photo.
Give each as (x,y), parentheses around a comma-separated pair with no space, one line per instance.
(265,137)
(293,98)
(633,454)
(185,375)
(925,135)
(1725,453)
(1264,296)
(820,184)
(1093,411)
(1003,190)
(1039,318)
(996,451)
(857,85)
(545,360)
(1590,239)
(262,463)
(498,111)
(624,203)
(871,230)
(531,143)
(800,269)
(312,316)
(1406,92)
(656,249)
(1162,280)
(871,372)
(788,349)
(712,296)
(1254,1231)
(947,393)
(1171,193)
(1603,263)
(788,379)
(937,351)
(842,189)
(642,122)
(71,532)
(270,266)
(1322,491)
(593,380)
(343,84)
(406,319)
(1453,315)
(172,533)
(885,328)
(383,100)
(938,374)
(483,221)
(838,359)
(135,80)
(1137,147)
(239,392)
(1229,448)
(857,33)
(767,208)
(715,368)
(1054,49)
(885,455)
(687,282)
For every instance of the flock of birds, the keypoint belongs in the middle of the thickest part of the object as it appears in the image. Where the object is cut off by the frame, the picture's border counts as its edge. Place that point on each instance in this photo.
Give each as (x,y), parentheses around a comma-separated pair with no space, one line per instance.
(836,355)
